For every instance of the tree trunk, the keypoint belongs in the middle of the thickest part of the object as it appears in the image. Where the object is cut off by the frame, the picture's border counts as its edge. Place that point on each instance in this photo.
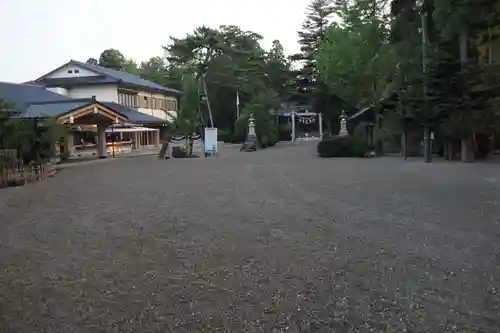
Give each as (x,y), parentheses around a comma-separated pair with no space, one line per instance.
(448,150)
(467,150)
(404,144)
(189,145)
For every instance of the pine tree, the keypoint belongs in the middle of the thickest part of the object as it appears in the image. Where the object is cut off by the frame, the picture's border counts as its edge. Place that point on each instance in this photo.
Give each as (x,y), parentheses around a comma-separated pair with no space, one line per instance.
(277,52)
(278,70)
(312,34)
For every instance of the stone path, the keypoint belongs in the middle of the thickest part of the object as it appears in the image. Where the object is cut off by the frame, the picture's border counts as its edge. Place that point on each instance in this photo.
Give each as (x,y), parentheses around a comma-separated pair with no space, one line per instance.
(271,241)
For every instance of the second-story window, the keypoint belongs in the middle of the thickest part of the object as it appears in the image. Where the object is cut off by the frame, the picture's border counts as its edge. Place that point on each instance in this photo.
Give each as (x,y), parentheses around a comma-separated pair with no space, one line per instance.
(127,99)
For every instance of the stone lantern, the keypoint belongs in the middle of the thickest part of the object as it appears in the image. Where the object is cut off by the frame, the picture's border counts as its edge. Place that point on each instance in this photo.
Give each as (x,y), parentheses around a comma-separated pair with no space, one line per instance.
(251,126)
(343,124)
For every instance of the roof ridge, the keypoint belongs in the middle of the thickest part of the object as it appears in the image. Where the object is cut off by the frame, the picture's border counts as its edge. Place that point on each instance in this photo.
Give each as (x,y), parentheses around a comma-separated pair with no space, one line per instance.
(69,100)
(22,84)
(120,74)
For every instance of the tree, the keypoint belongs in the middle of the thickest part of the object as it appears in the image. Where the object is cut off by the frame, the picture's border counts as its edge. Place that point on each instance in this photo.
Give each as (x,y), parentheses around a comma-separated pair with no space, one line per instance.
(197,51)
(355,59)
(277,53)
(92,61)
(278,70)
(464,21)
(154,70)
(187,119)
(266,128)
(33,139)
(227,61)
(459,90)
(312,34)
(130,66)
(112,58)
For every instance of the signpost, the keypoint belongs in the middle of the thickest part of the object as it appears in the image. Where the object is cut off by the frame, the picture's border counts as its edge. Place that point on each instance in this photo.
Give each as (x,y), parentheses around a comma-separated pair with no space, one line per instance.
(211,145)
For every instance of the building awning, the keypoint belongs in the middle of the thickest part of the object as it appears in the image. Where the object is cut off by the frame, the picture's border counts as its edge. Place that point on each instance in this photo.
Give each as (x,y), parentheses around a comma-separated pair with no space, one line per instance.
(131,129)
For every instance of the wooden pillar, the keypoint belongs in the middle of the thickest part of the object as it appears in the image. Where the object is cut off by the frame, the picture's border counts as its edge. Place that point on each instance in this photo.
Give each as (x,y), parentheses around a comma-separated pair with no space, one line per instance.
(102,148)
(135,140)
(67,145)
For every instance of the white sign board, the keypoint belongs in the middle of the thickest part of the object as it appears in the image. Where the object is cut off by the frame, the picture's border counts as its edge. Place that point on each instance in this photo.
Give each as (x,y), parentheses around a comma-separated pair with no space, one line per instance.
(211,145)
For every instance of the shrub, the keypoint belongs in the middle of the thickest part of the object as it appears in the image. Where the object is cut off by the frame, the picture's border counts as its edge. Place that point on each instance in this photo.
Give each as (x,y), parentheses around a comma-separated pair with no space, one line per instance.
(264,141)
(225,136)
(342,146)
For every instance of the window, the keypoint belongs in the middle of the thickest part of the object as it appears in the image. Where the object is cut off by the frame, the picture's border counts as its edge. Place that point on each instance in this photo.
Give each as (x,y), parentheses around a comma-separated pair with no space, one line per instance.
(70,71)
(77,71)
(128,99)
(145,102)
(153,103)
(174,105)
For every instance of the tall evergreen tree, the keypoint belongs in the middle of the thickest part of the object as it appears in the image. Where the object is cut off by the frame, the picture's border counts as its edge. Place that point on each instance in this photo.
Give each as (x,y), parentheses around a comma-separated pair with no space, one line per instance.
(313,32)
(278,70)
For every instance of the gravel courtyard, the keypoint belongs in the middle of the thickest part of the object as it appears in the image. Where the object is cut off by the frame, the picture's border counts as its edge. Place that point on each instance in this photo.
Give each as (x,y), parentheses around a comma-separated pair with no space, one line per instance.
(272,241)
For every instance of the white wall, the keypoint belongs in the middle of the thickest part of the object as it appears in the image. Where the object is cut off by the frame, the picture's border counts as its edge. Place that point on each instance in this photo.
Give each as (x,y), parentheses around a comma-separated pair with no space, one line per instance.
(104,93)
(59,90)
(155,113)
(63,72)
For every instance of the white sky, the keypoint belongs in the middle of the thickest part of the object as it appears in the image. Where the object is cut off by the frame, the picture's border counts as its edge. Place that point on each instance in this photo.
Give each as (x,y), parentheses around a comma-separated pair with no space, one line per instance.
(37,36)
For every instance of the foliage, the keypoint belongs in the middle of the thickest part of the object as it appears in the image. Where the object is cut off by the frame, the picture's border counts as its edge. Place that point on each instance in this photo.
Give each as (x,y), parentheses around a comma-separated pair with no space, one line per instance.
(186,121)
(231,61)
(265,126)
(112,58)
(342,146)
(309,89)
(371,55)
(92,61)
(34,140)
(355,59)
(313,32)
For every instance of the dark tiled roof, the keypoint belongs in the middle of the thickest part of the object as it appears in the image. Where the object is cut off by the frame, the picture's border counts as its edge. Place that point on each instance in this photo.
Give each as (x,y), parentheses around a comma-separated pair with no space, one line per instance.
(52,109)
(33,101)
(132,115)
(23,95)
(119,76)
(76,81)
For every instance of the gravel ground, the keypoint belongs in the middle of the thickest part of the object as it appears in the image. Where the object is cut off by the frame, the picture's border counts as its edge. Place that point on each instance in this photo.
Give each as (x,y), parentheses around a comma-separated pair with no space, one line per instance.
(271,241)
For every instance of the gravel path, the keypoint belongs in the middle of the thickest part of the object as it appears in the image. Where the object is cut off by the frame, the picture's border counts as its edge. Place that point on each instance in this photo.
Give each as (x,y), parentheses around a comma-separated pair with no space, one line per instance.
(271,241)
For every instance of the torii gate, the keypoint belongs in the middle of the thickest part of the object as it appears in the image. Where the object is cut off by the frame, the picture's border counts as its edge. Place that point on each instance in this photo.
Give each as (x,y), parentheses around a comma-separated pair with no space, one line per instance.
(295,114)
(301,111)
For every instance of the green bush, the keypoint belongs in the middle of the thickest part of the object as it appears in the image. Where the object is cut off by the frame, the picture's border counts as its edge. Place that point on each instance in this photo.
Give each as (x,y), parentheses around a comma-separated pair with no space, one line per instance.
(225,136)
(264,141)
(342,146)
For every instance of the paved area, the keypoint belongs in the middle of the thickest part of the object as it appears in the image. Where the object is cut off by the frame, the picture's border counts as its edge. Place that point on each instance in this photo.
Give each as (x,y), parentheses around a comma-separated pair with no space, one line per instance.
(271,241)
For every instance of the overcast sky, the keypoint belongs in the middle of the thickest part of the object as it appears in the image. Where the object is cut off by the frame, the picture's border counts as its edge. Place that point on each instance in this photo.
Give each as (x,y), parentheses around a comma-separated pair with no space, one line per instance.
(37,36)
